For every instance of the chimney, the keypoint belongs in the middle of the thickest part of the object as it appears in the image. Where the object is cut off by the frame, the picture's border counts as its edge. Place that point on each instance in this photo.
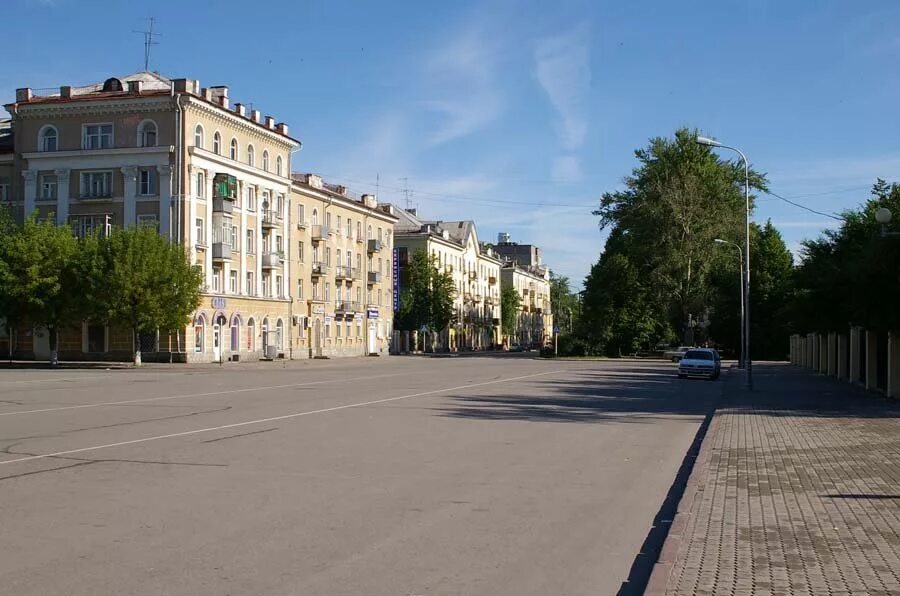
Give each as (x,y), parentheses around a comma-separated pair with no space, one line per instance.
(314,181)
(270,122)
(204,93)
(369,201)
(282,128)
(65,91)
(239,109)
(219,95)
(254,115)
(135,87)
(24,94)
(413,211)
(181,85)
(341,190)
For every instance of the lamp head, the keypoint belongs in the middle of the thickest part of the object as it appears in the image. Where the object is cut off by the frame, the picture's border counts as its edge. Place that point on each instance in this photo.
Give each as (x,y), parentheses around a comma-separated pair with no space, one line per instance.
(883,215)
(707,141)
(720,241)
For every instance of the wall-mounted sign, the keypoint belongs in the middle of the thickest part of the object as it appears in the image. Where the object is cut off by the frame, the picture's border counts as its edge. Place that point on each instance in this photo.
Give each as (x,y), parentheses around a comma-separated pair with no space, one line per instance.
(329,319)
(373,313)
(218,302)
(318,310)
(396,273)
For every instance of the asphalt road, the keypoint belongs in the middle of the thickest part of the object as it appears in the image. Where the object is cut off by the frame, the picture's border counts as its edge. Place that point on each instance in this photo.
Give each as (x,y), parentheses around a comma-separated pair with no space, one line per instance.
(391,476)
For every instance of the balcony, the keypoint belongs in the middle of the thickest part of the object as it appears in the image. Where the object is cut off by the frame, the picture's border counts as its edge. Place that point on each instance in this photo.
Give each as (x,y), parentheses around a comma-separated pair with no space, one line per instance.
(270,219)
(492,280)
(341,273)
(320,233)
(346,307)
(319,269)
(473,275)
(86,225)
(223,206)
(271,260)
(374,246)
(221,251)
(374,277)
(355,274)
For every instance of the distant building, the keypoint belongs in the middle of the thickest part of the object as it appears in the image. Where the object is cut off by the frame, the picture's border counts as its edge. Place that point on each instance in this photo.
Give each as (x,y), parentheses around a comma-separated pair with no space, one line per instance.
(524,271)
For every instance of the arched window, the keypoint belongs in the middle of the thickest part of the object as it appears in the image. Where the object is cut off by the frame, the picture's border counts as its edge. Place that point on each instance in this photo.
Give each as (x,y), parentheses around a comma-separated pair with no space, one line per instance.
(217,143)
(265,161)
(147,134)
(315,217)
(369,233)
(234,149)
(279,333)
(199,333)
(251,335)
(278,165)
(250,155)
(198,137)
(48,139)
(236,333)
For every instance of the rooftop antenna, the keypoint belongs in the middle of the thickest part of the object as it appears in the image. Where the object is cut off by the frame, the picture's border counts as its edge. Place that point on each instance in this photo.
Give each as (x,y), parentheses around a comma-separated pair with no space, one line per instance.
(148,41)
(406,192)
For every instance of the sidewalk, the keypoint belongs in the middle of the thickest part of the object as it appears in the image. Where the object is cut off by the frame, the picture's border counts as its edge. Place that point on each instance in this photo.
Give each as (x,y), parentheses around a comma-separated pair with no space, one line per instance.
(796,490)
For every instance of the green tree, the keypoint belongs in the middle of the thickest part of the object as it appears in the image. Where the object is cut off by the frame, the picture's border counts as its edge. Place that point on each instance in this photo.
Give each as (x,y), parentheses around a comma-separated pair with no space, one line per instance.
(40,278)
(565,304)
(150,283)
(509,310)
(675,203)
(426,300)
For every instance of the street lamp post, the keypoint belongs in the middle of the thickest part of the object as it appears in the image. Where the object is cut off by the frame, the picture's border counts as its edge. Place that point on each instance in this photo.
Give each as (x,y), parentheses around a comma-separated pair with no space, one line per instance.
(741,273)
(748,362)
(883,216)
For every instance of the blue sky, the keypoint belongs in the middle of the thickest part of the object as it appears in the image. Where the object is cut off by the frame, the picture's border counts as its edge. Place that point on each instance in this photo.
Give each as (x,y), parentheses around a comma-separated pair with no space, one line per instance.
(518,114)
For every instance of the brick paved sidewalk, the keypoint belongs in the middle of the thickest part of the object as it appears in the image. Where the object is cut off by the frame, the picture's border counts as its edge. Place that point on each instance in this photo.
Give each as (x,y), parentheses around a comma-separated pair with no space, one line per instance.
(796,490)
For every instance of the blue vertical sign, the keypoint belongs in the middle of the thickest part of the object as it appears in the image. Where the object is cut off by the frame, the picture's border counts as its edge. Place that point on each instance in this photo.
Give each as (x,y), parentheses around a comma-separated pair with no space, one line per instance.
(396,275)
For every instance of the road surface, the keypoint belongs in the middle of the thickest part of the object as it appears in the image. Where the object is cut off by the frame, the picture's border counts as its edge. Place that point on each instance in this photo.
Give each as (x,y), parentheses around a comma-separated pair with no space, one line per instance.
(379,476)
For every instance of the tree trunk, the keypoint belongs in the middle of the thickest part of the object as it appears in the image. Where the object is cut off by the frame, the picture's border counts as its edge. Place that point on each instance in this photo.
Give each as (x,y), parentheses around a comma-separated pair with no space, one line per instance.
(54,346)
(135,339)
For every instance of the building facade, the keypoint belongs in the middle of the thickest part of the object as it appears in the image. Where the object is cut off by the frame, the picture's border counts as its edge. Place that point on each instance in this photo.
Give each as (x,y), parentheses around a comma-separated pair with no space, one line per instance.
(534,320)
(475,272)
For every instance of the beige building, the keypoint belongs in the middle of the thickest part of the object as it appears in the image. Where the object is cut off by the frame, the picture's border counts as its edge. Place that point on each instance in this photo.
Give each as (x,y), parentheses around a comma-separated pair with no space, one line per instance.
(341,252)
(534,321)
(209,174)
(475,271)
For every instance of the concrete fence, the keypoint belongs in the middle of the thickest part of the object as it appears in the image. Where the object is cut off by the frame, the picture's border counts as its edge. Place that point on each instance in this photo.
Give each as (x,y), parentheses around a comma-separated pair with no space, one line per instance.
(862,357)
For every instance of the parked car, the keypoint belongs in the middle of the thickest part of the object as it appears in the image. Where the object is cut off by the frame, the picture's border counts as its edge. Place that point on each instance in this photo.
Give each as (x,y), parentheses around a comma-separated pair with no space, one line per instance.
(676,354)
(700,362)
(516,348)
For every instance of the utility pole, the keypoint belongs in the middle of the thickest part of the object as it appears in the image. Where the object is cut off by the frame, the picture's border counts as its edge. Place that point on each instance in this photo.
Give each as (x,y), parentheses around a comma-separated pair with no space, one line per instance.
(149,42)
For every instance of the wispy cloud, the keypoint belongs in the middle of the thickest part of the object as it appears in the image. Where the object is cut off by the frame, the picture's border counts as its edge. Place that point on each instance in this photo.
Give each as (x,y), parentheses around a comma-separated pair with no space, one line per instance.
(563,70)
(461,85)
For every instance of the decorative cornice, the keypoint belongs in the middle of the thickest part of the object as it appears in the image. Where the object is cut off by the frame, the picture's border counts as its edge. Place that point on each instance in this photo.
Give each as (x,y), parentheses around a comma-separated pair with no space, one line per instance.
(344,202)
(100,152)
(76,108)
(232,164)
(224,116)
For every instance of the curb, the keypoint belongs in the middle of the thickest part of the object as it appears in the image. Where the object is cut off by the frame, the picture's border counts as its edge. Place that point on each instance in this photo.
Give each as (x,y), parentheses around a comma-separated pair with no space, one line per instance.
(695,485)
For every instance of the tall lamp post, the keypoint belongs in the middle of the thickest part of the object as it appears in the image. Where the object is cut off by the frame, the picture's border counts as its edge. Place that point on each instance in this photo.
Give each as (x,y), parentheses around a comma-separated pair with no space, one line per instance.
(741,272)
(748,363)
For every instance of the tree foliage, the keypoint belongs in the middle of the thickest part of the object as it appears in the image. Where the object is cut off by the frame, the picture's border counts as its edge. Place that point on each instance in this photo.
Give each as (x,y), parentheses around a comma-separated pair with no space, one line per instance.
(509,310)
(426,300)
(565,304)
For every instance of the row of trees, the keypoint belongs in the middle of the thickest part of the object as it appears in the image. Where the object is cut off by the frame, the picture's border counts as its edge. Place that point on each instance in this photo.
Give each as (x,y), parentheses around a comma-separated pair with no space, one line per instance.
(662,278)
(134,277)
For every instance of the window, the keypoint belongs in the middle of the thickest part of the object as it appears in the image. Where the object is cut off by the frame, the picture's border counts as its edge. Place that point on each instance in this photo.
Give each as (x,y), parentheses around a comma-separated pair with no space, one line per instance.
(265,200)
(349,228)
(235,243)
(301,214)
(48,139)
(328,257)
(98,136)
(315,217)
(300,290)
(315,288)
(340,228)
(200,230)
(251,198)
(380,234)
(201,185)
(217,143)
(233,282)
(278,166)
(265,285)
(379,297)
(300,251)
(146,182)
(4,188)
(278,287)
(339,258)
(199,328)
(265,164)
(358,294)
(148,220)
(250,155)
(349,259)
(249,243)
(217,279)
(279,244)
(328,220)
(234,149)
(359,230)
(198,136)
(358,261)
(369,234)
(279,205)
(251,287)
(327,291)
(147,134)
(279,333)
(96,338)
(48,186)
(337,330)
(96,185)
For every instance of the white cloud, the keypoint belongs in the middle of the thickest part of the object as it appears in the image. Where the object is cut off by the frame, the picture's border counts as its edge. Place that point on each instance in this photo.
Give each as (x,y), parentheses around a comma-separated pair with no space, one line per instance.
(460,79)
(562,68)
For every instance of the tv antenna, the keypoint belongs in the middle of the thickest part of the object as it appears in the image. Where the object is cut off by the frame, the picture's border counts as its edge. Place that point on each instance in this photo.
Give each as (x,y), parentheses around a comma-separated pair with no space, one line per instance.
(149,42)
(407,193)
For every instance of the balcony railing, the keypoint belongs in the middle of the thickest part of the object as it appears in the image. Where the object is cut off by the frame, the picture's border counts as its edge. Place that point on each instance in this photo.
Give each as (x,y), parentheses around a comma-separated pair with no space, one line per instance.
(355,274)
(270,219)
(85,225)
(320,233)
(221,251)
(346,306)
(271,260)
(374,246)
(374,277)
(223,206)
(302,224)
(319,268)
(342,272)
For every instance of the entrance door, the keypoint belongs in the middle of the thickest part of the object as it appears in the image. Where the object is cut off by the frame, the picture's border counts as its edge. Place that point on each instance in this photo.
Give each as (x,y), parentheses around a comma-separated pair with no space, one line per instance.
(41,337)
(372,347)
(217,342)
